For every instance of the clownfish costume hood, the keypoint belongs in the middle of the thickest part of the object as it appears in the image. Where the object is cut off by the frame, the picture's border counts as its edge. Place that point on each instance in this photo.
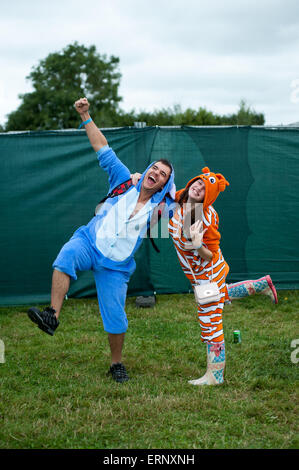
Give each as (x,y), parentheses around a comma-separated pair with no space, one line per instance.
(214,184)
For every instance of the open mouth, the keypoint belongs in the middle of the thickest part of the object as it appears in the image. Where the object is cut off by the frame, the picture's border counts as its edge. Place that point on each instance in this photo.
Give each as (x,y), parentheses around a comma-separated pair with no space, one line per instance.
(151,179)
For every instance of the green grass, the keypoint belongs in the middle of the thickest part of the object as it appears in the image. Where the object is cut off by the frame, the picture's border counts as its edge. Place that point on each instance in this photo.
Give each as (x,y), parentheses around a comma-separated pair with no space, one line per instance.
(55,393)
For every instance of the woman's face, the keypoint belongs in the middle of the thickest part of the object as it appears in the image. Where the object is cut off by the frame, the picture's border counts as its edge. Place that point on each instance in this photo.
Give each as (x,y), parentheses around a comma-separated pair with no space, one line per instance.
(197,191)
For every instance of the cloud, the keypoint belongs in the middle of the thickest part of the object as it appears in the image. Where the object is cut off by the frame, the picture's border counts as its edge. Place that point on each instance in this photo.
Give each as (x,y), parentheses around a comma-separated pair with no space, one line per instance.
(207,53)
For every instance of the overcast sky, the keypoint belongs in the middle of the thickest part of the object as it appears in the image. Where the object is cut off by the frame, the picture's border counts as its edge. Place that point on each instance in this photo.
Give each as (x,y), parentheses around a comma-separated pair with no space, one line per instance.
(208,53)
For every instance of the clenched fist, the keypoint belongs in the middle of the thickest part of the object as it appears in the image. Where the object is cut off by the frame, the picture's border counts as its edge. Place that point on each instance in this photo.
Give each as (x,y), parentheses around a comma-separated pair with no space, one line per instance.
(81,105)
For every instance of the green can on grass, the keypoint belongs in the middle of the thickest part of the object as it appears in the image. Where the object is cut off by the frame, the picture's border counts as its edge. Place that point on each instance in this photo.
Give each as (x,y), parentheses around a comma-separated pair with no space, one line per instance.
(237,336)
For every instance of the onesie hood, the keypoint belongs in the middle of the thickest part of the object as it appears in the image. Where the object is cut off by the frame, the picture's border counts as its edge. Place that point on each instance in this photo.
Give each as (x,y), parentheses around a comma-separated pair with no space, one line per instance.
(214,184)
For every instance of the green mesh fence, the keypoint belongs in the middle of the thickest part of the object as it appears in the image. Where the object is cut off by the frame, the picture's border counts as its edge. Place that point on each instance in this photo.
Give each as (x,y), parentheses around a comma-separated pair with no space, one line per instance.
(50,183)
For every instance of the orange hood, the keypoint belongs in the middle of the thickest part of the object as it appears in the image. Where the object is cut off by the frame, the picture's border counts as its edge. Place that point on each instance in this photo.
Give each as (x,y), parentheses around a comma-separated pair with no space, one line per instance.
(214,184)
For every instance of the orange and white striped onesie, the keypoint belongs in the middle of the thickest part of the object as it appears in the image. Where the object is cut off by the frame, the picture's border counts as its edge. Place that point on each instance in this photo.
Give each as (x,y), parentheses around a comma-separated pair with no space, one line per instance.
(209,315)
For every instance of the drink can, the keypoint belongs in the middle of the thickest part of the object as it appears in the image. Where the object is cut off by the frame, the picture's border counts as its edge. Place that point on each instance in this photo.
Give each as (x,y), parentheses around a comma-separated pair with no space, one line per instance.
(237,336)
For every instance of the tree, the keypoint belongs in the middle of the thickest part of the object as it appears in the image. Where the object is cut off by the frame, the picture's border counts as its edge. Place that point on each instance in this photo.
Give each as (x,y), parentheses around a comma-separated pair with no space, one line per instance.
(246,116)
(59,80)
(192,117)
(77,71)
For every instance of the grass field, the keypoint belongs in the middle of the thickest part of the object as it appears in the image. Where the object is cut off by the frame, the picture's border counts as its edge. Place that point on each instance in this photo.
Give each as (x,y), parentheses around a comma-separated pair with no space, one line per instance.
(55,393)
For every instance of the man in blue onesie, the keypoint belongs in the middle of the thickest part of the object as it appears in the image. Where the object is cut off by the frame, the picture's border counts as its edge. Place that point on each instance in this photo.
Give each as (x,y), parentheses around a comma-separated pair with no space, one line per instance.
(107,244)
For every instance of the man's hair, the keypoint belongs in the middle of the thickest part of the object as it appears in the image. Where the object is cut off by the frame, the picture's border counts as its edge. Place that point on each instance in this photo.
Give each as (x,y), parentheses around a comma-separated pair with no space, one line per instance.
(165,162)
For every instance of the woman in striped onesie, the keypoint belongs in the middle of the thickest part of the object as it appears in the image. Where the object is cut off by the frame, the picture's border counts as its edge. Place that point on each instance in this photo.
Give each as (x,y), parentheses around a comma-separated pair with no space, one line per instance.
(194,231)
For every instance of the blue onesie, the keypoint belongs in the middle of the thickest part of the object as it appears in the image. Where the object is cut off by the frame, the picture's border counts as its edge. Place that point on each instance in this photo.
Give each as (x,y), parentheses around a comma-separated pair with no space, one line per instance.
(107,244)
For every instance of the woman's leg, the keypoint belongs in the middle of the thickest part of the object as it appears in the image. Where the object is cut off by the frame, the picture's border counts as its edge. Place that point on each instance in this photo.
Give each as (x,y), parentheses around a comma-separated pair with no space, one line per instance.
(264,286)
(215,365)
(210,319)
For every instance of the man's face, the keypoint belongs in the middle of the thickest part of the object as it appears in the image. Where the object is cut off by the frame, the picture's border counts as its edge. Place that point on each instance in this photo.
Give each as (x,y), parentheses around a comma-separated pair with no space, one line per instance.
(156,177)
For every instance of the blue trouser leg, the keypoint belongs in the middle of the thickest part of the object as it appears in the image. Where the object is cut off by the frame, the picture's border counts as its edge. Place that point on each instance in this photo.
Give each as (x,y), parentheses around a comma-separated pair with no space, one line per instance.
(77,255)
(112,288)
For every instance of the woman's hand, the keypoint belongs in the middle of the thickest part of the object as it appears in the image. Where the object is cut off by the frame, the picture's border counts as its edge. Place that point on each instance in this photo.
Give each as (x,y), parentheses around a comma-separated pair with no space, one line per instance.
(135,178)
(196,234)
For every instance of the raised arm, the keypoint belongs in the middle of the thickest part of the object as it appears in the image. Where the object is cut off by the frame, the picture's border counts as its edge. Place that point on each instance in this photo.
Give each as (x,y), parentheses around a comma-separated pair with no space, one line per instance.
(108,160)
(96,138)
